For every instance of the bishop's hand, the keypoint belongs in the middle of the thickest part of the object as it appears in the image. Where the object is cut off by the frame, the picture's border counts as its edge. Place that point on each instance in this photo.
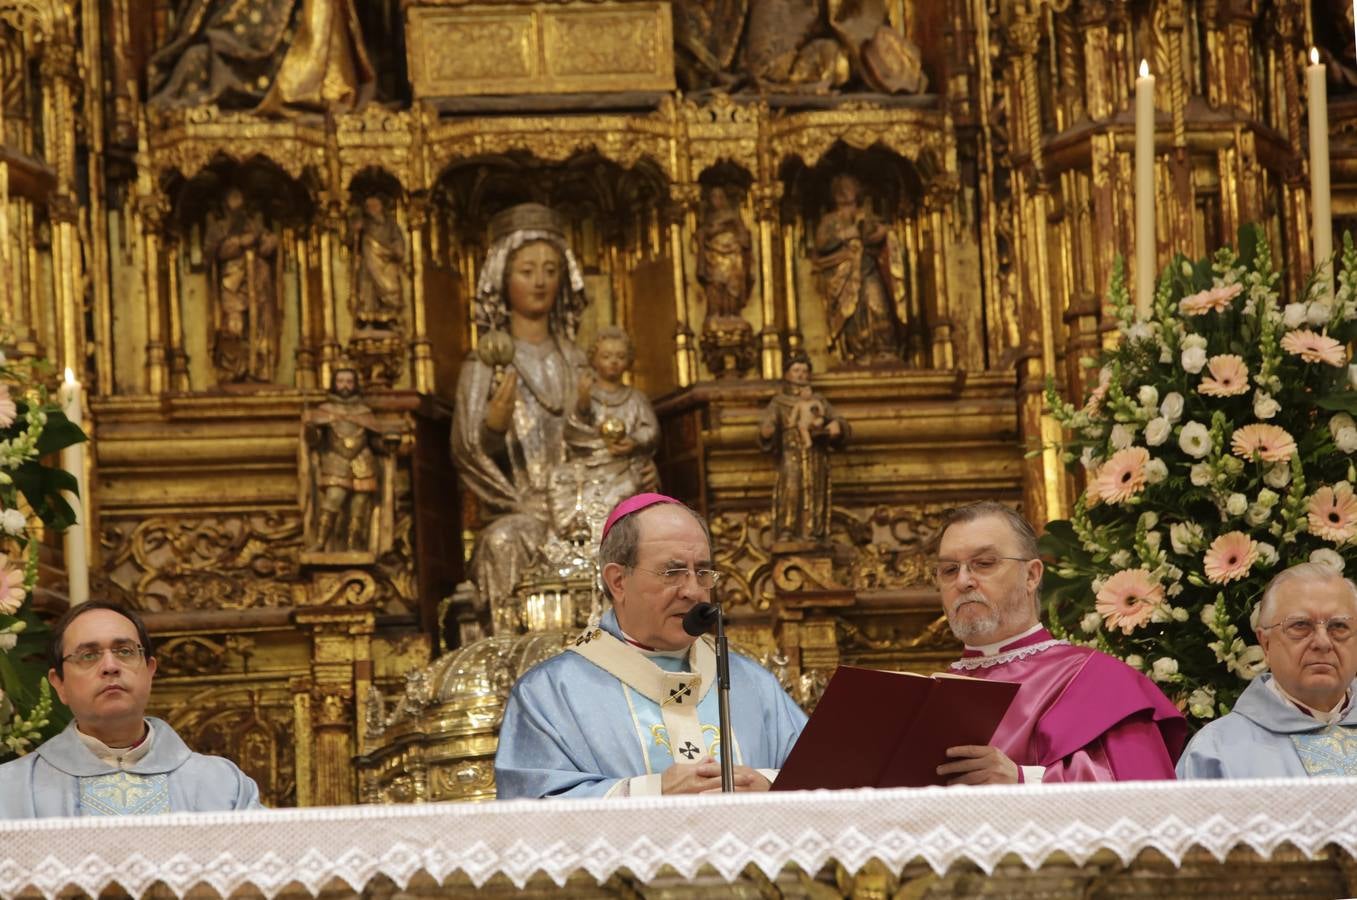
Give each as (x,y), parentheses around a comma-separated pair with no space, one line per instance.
(974,764)
(704,777)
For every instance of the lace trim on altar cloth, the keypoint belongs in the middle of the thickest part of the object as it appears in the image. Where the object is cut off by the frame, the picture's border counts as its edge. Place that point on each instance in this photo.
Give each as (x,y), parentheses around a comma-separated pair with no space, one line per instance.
(1008,656)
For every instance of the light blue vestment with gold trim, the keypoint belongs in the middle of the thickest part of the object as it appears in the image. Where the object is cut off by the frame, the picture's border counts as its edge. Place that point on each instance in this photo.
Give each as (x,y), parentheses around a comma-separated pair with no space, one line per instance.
(63,778)
(1267,737)
(574,729)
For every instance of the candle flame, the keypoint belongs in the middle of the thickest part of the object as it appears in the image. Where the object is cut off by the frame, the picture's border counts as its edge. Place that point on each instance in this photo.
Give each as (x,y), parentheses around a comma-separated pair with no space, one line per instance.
(1144,69)
(1314,56)
(70,376)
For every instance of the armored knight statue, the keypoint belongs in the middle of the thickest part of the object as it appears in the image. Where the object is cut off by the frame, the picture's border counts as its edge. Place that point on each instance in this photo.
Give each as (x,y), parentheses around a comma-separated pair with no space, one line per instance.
(858,266)
(343,441)
(241,254)
(611,432)
(508,433)
(274,56)
(379,254)
(799,427)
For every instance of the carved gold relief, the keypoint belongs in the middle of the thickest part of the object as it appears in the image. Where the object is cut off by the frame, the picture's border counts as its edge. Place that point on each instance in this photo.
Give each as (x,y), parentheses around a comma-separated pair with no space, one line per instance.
(252,727)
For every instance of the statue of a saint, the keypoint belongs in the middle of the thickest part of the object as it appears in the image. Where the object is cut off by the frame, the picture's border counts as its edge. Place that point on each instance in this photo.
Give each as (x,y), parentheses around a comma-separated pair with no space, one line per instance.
(241,254)
(611,432)
(343,440)
(508,434)
(269,55)
(799,427)
(724,261)
(379,254)
(706,38)
(858,268)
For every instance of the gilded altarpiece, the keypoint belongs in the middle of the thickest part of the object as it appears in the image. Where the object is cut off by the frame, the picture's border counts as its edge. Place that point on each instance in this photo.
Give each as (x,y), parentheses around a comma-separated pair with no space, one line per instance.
(1001,194)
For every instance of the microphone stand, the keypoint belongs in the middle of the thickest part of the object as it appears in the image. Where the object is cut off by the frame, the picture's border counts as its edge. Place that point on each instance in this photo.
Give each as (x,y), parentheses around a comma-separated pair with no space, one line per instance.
(723,699)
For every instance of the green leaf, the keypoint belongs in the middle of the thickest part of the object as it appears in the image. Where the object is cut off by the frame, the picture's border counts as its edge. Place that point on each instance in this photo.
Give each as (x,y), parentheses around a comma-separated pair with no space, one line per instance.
(1343,401)
(42,486)
(59,433)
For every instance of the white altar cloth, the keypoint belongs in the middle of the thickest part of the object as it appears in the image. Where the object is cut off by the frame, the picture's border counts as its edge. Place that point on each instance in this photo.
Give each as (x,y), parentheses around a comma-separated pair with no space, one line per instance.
(938,825)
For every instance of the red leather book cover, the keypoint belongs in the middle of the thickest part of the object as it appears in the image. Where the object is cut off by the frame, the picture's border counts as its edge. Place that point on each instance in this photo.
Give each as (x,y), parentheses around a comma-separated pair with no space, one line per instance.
(874,728)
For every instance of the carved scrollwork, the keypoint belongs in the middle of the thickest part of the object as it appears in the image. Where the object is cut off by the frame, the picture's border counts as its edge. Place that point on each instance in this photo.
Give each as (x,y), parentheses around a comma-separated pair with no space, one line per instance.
(189,140)
(352,587)
(891,544)
(192,655)
(742,549)
(211,562)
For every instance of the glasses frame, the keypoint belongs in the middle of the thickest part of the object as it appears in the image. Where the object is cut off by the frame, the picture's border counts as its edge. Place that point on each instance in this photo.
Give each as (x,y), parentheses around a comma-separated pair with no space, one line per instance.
(960,563)
(1315,625)
(674,579)
(137,653)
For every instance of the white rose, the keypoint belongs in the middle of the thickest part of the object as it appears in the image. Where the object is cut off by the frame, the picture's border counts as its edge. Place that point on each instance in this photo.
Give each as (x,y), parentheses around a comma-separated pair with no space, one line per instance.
(1194,342)
(1267,554)
(1157,430)
(1155,471)
(1267,498)
(1193,360)
(1148,395)
(1164,668)
(1200,474)
(1091,622)
(1279,476)
(1237,504)
(1121,559)
(1122,436)
(1346,440)
(1202,703)
(1264,407)
(1172,406)
(1340,421)
(1293,316)
(1195,440)
(1319,314)
(7,642)
(1257,514)
(13,522)
(1185,537)
(1135,661)
(1326,557)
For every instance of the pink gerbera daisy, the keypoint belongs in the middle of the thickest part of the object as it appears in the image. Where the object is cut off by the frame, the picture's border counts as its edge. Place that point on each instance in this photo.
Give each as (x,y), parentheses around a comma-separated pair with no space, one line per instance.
(11,587)
(8,411)
(1128,599)
(1229,376)
(1314,348)
(1271,443)
(1215,298)
(1230,557)
(1123,475)
(1333,513)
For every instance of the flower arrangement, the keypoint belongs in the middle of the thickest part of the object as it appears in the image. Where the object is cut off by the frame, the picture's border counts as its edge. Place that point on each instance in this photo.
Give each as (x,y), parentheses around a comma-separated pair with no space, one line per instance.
(30,500)
(1217,447)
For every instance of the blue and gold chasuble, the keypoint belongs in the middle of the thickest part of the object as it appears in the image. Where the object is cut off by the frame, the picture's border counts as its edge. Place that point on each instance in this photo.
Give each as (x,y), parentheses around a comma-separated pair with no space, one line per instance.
(604,718)
(1266,736)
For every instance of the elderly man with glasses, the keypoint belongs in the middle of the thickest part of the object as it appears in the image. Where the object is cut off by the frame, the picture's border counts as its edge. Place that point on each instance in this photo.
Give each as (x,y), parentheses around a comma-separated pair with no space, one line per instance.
(1080,715)
(1299,720)
(112,760)
(630,708)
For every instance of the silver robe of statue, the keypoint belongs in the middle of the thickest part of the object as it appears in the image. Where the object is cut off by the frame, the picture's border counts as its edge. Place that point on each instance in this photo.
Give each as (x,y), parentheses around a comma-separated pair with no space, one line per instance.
(511,473)
(600,480)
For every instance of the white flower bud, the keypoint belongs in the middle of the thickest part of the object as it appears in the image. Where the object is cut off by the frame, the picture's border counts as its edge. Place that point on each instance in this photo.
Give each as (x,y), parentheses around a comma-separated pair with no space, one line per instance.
(1279,476)
(1122,436)
(1091,622)
(1135,661)
(1293,316)
(1325,556)
(1164,668)
(1264,407)
(1193,359)
(1200,474)
(1172,406)
(1155,471)
(1319,314)
(1148,395)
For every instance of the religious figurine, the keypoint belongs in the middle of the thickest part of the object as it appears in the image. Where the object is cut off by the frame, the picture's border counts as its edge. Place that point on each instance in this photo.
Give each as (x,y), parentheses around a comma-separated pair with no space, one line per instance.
(859,268)
(343,441)
(379,259)
(508,439)
(243,292)
(706,38)
(789,48)
(724,261)
(269,55)
(799,427)
(611,433)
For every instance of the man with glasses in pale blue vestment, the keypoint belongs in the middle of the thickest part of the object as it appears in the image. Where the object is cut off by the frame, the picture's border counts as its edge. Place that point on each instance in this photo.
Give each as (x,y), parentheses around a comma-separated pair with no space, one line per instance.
(1299,720)
(112,760)
(630,709)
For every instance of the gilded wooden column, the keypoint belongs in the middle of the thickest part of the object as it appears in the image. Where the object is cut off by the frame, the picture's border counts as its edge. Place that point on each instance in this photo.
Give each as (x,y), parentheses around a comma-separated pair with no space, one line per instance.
(306,335)
(936,202)
(681,219)
(152,212)
(324,701)
(791,235)
(58,70)
(767,199)
(421,351)
(176,356)
(331,227)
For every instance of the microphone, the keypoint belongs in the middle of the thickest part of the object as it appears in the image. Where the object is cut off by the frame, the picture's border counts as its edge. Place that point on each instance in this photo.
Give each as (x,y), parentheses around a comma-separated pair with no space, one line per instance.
(701,619)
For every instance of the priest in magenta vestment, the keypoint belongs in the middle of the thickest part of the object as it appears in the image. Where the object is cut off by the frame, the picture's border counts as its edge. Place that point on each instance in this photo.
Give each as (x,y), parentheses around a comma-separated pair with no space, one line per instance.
(1080,715)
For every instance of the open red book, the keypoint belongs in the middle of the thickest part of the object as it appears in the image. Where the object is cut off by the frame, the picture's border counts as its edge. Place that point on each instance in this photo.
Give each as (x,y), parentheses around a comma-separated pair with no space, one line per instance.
(891,729)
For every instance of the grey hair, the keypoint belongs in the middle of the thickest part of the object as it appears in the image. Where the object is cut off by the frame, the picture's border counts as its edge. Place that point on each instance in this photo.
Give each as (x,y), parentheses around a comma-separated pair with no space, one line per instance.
(623,540)
(1306,571)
